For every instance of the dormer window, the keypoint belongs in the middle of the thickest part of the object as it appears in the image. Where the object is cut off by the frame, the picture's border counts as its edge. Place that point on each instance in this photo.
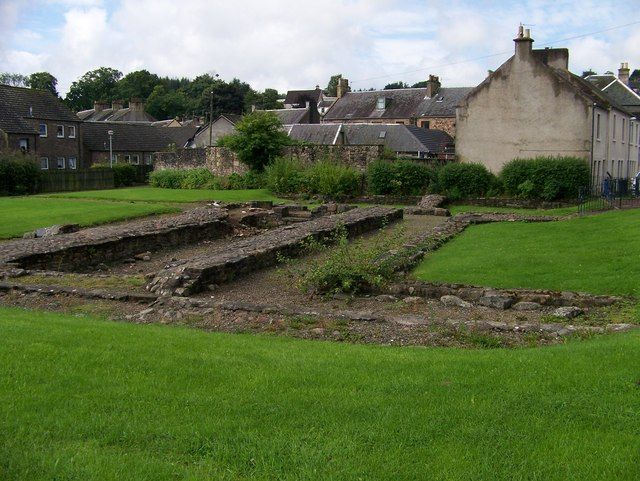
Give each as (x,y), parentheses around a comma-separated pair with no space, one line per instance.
(381,104)
(439,98)
(382,134)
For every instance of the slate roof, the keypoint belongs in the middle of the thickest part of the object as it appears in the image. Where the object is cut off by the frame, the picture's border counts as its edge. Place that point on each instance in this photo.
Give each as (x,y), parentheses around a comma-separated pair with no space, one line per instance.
(397,137)
(616,91)
(301,97)
(443,103)
(233,118)
(291,116)
(38,104)
(12,124)
(134,136)
(118,115)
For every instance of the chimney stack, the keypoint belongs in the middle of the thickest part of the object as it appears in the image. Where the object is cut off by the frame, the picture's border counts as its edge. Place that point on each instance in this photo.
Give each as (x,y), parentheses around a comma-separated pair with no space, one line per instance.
(623,73)
(117,104)
(524,43)
(433,86)
(136,105)
(343,87)
(99,105)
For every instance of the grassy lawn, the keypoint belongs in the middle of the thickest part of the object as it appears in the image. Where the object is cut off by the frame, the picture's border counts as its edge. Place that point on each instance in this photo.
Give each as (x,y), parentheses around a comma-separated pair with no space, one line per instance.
(597,254)
(22,214)
(155,194)
(458,209)
(82,398)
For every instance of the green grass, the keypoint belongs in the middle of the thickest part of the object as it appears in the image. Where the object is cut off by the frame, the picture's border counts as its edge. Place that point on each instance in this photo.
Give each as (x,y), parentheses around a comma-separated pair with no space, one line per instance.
(459,209)
(22,214)
(596,254)
(87,399)
(155,194)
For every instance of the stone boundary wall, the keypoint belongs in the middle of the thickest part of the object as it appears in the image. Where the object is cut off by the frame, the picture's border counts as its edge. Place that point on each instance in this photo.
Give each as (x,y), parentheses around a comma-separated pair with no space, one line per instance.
(262,251)
(222,162)
(86,249)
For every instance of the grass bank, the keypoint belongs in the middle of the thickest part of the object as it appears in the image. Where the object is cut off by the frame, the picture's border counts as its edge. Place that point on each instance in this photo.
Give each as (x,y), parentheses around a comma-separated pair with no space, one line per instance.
(459,209)
(22,214)
(596,254)
(82,398)
(156,194)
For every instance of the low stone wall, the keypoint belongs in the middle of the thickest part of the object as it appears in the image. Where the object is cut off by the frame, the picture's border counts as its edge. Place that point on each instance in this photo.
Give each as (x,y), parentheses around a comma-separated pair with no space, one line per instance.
(86,249)
(512,202)
(223,162)
(261,251)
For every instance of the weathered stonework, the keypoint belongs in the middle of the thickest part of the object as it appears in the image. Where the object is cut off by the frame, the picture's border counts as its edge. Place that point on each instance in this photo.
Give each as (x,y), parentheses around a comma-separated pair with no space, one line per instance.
(83,250)
(262,251)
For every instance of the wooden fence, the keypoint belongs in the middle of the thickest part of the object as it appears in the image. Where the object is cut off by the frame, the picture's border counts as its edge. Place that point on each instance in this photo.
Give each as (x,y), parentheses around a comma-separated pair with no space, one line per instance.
(72,180)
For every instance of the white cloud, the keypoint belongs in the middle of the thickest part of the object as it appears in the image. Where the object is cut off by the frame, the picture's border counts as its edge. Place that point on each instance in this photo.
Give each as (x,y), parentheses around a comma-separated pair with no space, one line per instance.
(285,44)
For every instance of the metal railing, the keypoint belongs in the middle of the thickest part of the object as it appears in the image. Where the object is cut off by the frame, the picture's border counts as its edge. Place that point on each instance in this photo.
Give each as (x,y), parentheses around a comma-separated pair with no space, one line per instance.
(611,193)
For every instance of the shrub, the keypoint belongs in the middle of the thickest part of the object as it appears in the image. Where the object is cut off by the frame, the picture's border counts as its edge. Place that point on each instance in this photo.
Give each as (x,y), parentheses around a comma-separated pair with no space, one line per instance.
(258,139)
(284,176)
(19,174)
(248,180)
(333,180)
(167,178)
(124,175)
(457,181)
(546,178)
(399,178)
(199,178)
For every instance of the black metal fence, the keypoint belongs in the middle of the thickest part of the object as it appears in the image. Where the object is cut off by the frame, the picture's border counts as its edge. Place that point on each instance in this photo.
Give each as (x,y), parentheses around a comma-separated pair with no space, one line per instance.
(609,194)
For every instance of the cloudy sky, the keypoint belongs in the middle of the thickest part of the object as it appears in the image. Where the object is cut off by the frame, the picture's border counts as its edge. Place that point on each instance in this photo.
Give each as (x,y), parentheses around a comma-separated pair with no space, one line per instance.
(299,43)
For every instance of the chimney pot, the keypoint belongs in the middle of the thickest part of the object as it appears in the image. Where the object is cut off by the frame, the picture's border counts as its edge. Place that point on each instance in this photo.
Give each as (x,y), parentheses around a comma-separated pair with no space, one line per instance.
(524,43)
(623,73)
(117,104)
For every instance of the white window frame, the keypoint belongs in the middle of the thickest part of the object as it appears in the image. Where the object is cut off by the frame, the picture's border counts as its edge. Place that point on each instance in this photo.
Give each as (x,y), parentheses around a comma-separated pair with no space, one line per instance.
(44,163)
(58,159)
(72,131)
(115,158)
(148,159)
(46,129)
(381,103)
(59,132)
(26,144)
(135,159)
(72,162)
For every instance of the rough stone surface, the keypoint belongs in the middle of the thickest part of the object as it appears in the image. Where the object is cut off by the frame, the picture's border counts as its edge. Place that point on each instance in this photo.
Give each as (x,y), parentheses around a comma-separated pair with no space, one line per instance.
(455,301)
(496,301)
(88,248)
(526,306)
(262,251)
(568,312)
(432,201)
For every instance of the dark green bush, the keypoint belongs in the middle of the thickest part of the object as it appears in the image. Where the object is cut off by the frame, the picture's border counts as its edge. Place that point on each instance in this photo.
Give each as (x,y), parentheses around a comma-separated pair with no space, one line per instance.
(248,180)
(199,178)
(284,176)
(546,178)
(19,174)
(167,178)
(402,177)
(459,181)
(124,175)
(334,180)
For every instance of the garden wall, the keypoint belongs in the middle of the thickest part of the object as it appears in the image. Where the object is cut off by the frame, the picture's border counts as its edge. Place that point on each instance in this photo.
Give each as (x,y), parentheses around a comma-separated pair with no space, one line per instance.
(221,161)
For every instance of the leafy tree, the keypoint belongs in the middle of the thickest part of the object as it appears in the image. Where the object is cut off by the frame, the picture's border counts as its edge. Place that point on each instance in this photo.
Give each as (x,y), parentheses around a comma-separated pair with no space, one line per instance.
(588,72)
(138,84)
(258,139)
(99,84)
(420,85)
(267,100)
(43,81)
(634,80)
(396,85)
(163,104)
(13,79)
(332,87)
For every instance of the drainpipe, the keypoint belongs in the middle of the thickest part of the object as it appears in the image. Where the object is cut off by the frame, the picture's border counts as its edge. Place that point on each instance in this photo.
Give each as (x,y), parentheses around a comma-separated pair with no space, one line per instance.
(629,137)
(593,133)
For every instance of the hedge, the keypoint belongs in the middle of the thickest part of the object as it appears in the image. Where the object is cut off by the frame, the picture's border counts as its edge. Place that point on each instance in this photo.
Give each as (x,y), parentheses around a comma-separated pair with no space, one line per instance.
(19,174)
(459,181)
(399,178)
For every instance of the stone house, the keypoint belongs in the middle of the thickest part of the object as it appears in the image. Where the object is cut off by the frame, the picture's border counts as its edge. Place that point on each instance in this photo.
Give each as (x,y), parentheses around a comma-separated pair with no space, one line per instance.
(404,140)
(431,107)
(117,112)
(209,134)
(38,122)
(533,106)
(132,143)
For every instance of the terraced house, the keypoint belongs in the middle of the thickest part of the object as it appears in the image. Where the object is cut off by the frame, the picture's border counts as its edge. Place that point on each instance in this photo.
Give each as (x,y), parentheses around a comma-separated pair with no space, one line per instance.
(532,105)
(37,122)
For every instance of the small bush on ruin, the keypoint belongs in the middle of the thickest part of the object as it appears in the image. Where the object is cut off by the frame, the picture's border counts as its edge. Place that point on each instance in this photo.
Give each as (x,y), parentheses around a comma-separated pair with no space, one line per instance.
(333,180)
(402,177)
(284,176)
(459,181)
(199,178)
(248,180)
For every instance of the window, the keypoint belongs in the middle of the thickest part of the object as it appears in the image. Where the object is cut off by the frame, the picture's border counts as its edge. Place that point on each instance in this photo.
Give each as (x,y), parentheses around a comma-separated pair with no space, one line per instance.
(44,163)
(615,119)
(148,159)
(60,163)
(136,159)
(115,158)
(72,163)
(381,103)
(382,134)
(72,131)
(127,159)
(598,126)
(60,131)
(424,124)
(624,127)
(24,145)
(43,129)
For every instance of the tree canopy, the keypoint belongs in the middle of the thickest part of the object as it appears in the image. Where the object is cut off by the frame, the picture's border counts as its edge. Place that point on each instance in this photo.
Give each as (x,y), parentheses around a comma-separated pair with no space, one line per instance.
(43,81)
(98,84)
(396,85)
